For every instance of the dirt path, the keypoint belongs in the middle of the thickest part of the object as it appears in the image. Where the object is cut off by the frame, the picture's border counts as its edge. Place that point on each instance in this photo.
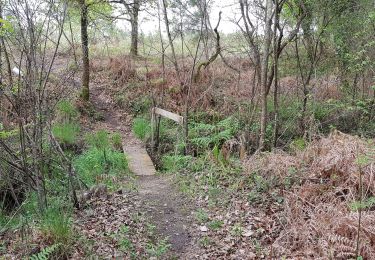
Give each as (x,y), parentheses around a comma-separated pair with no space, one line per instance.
(165,207)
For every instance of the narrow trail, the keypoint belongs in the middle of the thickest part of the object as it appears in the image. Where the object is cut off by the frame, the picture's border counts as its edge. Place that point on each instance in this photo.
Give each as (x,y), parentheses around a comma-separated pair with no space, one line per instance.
(167,209)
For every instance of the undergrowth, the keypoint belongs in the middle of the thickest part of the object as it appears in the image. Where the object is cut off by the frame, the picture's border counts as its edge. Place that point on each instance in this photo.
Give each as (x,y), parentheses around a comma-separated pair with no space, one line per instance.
(207,135)
(92,164)
(141,128)
(56,223)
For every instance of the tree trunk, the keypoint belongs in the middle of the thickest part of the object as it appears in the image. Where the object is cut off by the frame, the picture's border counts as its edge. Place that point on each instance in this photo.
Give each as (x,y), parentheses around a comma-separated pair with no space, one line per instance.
(275,71)
(1,48)
(85,94)
(174,57)
(6,56)
(264,75)
(73,43)
(134,25)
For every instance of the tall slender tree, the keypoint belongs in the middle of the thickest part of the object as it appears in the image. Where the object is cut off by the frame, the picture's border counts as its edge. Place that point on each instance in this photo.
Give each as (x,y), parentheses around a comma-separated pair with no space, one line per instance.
(85,93)
(264,71)
(132,9)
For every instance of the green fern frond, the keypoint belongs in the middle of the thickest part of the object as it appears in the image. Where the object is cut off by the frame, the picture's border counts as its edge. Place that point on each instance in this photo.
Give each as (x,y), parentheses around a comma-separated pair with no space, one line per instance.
(46,252)
(208,135)
(202,141)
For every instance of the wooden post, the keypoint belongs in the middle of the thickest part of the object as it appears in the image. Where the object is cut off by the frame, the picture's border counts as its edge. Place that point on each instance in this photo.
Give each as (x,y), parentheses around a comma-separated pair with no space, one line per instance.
(161,112)
(153,128)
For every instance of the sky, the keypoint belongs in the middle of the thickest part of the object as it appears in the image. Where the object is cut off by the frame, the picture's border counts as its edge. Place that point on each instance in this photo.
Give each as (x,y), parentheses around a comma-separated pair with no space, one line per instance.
(229,8)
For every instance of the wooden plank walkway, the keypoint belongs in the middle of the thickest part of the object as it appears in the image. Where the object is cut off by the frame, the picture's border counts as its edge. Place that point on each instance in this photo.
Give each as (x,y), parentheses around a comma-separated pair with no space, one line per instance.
(139,161)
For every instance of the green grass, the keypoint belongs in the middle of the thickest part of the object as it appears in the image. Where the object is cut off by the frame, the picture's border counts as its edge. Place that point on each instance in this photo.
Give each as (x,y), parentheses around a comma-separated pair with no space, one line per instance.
(215,224)
(236,230)
(101,162)
(117,141)
(66,133)
(201,216)
(174,163)
(159,248)
(205,242)
(92,163)
(56,224)
(67,110)
(99,140)
(141,128)
(8,222)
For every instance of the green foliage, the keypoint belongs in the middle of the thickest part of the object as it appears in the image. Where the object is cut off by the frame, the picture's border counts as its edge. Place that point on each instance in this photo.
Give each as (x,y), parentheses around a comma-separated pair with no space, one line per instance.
(141,128)
(322,111)
(215,224)
(98,140)
(46,252)
(98,11)
(121,100)
(9,222)
(67,111)
(123,241)
(205,241)
(117,141)
(363,160)
(174,163)
(366,204)
(151,229)
(206,135)
(158,249)
(66,132)
(140,106)
(7,134)
(125,245)
(298,144)
(93,163)
(201,216)
(101,142)
(260,183)
(236,230)
(6,27)
(292,178)
(56,222)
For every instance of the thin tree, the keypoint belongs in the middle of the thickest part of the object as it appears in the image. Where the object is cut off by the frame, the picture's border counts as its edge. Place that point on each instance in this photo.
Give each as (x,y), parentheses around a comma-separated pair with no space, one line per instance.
(132,9)
(134,27)
(85,81)
(264,72)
